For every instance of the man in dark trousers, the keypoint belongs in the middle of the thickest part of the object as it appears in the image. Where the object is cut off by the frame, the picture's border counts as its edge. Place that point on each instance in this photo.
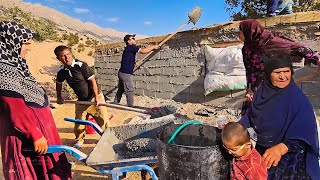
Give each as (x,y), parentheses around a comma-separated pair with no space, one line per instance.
(279,7)
(127,65)
(82,80)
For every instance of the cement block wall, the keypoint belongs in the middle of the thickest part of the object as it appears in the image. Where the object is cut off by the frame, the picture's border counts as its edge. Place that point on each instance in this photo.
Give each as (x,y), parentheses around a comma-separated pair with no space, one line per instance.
(172,73)
(177,70)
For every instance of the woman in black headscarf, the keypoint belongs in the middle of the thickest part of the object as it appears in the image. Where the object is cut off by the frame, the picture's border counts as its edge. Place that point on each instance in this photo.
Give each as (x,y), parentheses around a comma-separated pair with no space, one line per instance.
(285,124)
(260,42)
(25,117)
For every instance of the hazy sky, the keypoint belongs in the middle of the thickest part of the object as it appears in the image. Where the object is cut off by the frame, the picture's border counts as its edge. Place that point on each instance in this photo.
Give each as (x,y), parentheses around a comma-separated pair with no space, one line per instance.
(147,17)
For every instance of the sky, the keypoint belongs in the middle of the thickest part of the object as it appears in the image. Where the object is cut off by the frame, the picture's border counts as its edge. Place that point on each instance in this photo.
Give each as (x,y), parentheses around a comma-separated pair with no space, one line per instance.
(146,17)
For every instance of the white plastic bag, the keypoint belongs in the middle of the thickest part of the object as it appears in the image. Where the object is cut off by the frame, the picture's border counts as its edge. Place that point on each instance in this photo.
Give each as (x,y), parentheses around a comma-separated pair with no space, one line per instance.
(225,69)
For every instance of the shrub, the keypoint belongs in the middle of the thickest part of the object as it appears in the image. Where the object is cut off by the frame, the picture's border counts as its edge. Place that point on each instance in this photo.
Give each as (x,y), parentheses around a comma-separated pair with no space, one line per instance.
(88,42)
(81,47)
(65,36)
(73,39)
(44,29)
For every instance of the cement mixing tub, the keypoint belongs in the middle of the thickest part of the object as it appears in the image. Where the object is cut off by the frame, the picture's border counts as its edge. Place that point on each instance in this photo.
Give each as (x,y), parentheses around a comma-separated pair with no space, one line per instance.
(110,156)
(195,154)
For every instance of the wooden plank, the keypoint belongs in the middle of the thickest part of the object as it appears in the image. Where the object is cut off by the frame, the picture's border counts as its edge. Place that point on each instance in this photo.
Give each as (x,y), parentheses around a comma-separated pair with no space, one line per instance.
(235,24)
(262,22)
(272,21)
(226,44)
(288,18)
(316,16)
(304,17)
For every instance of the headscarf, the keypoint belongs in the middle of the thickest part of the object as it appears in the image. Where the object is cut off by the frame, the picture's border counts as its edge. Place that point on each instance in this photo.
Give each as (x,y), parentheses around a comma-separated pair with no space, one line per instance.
(15,77)
(275,62)
(257,37)
(284,114)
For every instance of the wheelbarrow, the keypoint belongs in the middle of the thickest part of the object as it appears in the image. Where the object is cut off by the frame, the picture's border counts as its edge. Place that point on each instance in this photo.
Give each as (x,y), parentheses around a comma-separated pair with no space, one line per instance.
(110,156)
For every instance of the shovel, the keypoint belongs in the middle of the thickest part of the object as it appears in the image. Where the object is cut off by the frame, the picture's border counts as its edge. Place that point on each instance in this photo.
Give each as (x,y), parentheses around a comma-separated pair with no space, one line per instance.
(194,16)
(105,104)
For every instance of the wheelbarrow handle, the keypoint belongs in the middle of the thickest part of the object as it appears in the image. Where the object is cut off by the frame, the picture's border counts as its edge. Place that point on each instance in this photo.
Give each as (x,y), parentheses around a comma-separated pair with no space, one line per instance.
(85,122)
(62,148)
(67,149)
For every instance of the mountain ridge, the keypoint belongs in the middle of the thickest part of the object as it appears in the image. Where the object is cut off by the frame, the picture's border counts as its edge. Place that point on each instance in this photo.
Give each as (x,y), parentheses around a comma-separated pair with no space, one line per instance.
(67,23)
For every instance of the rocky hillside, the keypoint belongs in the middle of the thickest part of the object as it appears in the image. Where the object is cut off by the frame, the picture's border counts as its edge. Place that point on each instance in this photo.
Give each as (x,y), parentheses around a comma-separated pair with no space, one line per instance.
(63,22)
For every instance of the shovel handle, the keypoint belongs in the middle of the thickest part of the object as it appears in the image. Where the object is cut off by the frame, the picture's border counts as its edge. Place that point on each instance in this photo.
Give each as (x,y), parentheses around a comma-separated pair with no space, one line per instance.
(105,104)
(172,34)
(162,42)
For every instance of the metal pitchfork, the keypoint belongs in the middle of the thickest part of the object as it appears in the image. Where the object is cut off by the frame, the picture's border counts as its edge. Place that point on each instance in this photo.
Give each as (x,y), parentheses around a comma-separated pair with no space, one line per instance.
(194,16)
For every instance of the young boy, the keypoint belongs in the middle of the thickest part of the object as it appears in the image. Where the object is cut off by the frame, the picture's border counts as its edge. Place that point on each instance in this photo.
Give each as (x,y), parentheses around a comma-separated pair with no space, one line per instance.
(247,162)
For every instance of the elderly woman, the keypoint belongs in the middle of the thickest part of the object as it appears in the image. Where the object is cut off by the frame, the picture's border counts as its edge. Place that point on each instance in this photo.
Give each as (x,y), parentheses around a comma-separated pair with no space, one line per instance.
(284,123)
(260,42)
(25,117)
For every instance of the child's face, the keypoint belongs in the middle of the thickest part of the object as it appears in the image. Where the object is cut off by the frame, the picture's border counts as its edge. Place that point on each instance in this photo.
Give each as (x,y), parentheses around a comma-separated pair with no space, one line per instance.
(237,151)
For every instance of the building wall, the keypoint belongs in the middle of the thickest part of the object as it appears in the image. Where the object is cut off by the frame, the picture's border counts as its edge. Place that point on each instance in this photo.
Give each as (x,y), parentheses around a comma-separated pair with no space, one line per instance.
(177,70)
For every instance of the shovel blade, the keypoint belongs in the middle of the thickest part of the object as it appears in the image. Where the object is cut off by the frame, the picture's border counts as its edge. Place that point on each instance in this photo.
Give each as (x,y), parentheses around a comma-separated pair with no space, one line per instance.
(195,15)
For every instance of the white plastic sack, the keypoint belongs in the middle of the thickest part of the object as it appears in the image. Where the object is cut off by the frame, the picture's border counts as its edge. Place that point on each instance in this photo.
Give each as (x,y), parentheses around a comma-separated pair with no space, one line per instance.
(225,69)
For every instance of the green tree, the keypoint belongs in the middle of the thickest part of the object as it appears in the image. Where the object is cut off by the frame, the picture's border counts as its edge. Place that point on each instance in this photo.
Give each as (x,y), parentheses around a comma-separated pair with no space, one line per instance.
(244,9)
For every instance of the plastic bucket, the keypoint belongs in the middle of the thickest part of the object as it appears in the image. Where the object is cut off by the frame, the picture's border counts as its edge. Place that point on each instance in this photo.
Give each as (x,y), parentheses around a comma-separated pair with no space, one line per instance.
(89,129)
(196,153)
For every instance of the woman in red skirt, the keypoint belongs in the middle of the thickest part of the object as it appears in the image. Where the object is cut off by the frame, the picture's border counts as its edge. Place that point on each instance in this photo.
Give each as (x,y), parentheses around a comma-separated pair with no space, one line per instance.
(25,117)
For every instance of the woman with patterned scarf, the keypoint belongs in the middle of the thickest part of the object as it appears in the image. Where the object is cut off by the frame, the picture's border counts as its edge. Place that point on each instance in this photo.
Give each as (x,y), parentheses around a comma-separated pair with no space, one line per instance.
(26,120)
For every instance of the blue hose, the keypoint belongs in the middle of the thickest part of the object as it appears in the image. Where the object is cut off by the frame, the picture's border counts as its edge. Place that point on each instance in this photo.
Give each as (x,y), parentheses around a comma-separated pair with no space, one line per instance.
(180,128)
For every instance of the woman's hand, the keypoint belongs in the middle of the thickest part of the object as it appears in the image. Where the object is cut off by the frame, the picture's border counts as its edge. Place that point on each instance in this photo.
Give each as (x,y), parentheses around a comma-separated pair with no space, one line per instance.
(273,155)
(249,95)
(41,145)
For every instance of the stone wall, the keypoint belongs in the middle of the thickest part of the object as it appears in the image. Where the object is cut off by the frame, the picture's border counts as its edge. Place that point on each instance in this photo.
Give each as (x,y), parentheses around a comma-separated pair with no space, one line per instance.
(177,70)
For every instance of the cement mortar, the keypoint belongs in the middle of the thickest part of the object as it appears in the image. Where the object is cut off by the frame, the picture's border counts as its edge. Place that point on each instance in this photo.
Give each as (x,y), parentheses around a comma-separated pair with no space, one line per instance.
(141,144)
(110,148)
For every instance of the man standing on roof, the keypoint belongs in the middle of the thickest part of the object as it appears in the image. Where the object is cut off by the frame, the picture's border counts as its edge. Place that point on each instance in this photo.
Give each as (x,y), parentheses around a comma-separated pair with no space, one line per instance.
(127,65)
(279,7)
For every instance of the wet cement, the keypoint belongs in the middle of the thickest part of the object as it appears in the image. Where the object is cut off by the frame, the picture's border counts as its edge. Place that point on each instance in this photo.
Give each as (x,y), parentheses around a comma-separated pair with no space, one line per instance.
(140,145)
(110,148)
